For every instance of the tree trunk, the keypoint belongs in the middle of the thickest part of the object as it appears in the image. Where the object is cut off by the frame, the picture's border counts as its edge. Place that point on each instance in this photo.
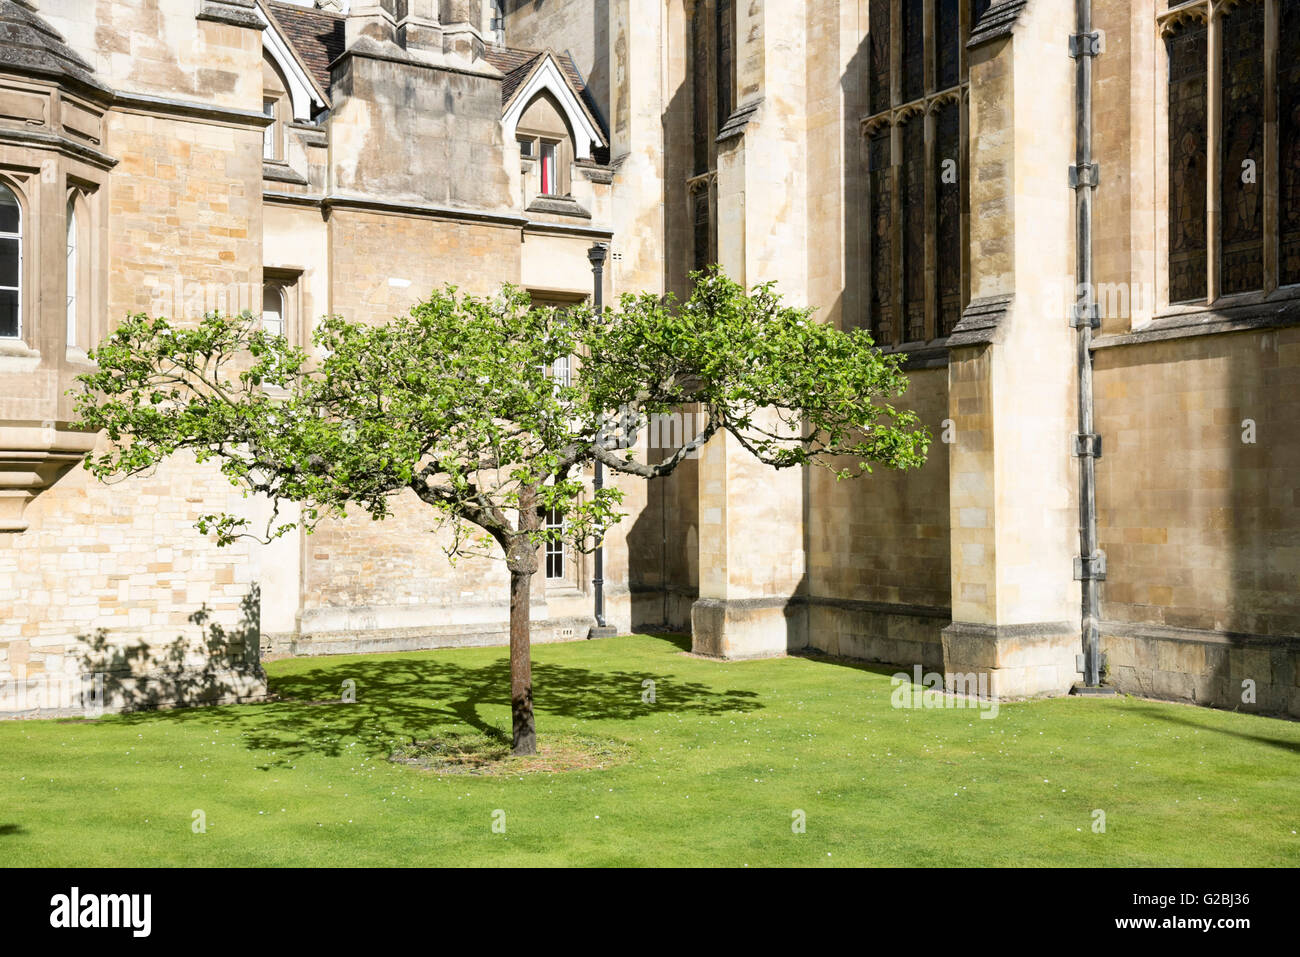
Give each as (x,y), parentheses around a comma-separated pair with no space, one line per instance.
(521,665)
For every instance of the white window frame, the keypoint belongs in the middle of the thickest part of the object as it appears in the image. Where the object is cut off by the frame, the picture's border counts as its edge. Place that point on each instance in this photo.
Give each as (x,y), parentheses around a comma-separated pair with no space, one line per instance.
(278,290)
(555,551)
(549,165)
(271,136)
(74,272)
(18,333)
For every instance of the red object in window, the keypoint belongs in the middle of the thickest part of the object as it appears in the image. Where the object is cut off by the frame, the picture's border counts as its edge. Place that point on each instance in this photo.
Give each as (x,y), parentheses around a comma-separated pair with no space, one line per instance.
(548,169)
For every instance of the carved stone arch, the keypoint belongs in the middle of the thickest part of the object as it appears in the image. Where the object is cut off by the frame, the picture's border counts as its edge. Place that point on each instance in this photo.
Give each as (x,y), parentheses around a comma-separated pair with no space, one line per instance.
(1173,21)
(944,99)
(874,125)
(907,113)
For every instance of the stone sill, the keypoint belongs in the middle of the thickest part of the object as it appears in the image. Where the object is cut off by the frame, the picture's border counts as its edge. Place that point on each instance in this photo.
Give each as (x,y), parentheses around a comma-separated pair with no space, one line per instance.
(921,355)
(558,206)
(1279,310)
(279,172)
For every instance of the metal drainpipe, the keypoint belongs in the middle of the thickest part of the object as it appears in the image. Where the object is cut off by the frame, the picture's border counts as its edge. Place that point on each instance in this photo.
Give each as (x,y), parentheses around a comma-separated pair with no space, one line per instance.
(596,255)
(1090,567)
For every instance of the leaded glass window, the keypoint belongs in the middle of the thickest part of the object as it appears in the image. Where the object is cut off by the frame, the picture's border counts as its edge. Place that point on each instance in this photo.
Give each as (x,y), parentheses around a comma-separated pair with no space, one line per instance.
(947,43)
(947,189)
(1187,162)
(1242,149)
(878,40)
(1288,98)
(700,70)
(913,49)
(11,264)
(1227,236)
(712,36)
(881,184)
(916,156)
(914,275)
(702,228)
(724,44)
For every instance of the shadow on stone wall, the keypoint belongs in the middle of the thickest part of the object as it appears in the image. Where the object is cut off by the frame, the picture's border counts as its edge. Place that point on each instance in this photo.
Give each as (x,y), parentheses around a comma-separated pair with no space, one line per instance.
(219,666)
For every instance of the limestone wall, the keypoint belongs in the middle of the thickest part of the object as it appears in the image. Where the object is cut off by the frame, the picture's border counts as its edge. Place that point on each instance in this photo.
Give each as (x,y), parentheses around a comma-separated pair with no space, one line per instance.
(1199,514)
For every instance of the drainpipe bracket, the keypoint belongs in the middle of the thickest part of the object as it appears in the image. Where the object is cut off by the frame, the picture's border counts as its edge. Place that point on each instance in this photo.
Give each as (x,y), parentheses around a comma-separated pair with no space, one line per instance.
(1085,175)
(1085,312)
(1090,569)
(1087,44)
(1080,660)
(1087,444)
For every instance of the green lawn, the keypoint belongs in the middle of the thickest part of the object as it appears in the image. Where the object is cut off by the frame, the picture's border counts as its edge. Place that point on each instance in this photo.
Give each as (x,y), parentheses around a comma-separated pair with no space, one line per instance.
(718,764)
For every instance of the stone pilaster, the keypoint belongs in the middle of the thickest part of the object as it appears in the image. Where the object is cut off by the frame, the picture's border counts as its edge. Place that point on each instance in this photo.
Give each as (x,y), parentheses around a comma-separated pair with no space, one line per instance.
(753,558)
(1013,504)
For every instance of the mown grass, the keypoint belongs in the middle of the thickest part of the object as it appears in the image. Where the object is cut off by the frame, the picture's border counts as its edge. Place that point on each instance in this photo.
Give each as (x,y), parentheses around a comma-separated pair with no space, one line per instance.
(711,773)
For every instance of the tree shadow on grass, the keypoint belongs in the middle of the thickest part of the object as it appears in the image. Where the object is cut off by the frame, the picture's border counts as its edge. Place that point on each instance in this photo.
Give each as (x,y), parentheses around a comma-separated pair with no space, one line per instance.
(855,664)
(1190,720)
(406,699)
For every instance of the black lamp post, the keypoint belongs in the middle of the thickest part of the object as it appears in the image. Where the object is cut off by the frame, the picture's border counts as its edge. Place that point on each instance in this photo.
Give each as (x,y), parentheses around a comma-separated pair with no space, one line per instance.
(596,254)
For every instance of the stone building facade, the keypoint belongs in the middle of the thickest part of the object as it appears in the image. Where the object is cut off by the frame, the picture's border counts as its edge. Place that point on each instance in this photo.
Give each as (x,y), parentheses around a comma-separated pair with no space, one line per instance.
(907,166)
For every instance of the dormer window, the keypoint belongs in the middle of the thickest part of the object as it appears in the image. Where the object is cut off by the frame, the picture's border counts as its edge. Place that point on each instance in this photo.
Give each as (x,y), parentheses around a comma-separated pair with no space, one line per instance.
(545,140)
(11,264)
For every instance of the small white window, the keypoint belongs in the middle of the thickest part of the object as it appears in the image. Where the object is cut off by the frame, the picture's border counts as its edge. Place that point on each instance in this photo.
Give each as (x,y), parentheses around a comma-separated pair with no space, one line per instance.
(72,273)
(554,549)
(11,264)
(273,310)
(550,186)
(271,134)
(527,148)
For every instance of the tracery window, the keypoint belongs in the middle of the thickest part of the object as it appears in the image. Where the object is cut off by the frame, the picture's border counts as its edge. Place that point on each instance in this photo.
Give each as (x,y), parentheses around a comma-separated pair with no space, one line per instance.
(1233,191)
(916,156)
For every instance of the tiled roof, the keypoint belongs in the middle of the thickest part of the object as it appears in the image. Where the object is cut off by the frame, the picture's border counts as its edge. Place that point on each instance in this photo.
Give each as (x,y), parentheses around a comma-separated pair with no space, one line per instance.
(514,64)
(317,36)
(518,64)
